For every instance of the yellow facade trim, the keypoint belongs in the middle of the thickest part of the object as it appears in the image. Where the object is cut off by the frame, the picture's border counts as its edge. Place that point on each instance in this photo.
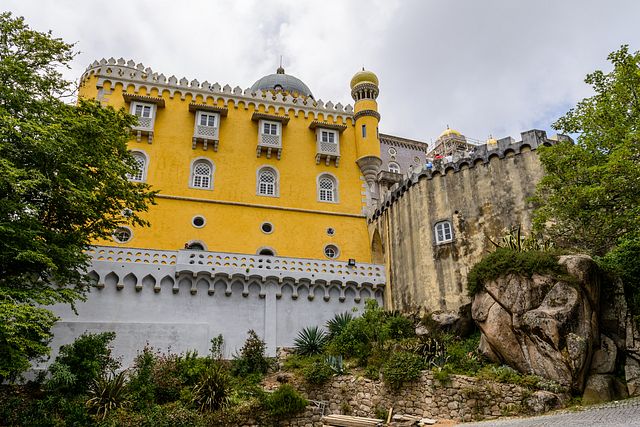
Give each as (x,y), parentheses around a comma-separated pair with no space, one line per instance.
(255,205)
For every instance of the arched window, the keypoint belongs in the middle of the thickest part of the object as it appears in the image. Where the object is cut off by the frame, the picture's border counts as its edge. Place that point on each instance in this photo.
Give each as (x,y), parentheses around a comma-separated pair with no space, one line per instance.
(394,167)
(267,182)
(327,188)
(444,232)
(202,174)
(141,167)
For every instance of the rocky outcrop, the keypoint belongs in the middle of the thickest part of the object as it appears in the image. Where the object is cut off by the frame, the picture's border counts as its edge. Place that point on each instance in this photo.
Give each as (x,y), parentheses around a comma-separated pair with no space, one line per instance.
(543,325)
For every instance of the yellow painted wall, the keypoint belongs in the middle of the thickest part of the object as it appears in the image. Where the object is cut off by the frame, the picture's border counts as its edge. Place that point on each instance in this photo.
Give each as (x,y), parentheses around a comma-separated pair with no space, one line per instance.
(232,228)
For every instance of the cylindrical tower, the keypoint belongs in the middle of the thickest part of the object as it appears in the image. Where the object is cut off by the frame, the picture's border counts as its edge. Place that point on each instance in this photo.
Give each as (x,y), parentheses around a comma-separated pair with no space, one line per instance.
(364,91)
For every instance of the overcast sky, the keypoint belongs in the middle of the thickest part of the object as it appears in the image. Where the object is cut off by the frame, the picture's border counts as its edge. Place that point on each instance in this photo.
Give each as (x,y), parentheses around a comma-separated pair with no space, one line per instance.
(482,67)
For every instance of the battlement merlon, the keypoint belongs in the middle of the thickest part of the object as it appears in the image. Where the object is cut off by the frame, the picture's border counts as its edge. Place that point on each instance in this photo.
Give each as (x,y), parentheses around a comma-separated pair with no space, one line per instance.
(531,140)
(137,75)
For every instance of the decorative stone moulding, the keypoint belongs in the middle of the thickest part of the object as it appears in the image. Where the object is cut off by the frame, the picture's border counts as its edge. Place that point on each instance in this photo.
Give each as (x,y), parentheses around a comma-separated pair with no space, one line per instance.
(225,273)
(506,147)
(130,74)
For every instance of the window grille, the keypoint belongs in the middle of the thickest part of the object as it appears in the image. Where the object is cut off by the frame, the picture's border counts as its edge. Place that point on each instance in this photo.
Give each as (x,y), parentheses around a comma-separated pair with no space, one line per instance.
(444,232)
(141,161)
(326,189)
(201,177)
(122,235)
(267,181)
(331,251)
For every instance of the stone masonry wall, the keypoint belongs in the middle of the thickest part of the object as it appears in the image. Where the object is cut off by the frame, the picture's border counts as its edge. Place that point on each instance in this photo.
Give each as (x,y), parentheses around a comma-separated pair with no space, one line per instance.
(480,196)
(460,398)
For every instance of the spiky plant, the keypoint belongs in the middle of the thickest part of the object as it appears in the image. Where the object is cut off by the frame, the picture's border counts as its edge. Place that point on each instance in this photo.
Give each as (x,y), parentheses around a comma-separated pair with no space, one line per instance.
(338,323)
(213,390)
(515,240)
(107,394)
(336,364)
(310,341)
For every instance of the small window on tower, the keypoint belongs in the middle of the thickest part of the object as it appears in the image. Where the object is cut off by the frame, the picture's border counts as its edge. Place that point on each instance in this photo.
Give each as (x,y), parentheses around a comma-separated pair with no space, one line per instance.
(364,131)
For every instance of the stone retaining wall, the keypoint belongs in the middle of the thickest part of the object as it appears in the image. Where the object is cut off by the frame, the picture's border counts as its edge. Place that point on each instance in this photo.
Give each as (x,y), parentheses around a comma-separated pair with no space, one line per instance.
(460,398)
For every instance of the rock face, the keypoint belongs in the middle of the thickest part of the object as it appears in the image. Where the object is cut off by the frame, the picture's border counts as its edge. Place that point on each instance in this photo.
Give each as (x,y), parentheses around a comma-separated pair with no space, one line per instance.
(543,325)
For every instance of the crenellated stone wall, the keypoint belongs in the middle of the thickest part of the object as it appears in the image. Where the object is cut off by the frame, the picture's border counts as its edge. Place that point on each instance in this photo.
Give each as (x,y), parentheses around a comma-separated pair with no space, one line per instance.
(481,195)
(179,300)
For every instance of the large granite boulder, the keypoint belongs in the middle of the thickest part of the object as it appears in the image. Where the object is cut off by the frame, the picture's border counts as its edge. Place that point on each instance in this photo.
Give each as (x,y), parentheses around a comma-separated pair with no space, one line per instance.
(543,325)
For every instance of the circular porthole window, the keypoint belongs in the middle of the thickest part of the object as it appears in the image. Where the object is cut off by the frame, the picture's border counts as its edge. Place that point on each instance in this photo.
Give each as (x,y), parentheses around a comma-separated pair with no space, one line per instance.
(198,221)
(122,234)
(417,160)
(331,251)
(331,231)
(266,227)
(392,151)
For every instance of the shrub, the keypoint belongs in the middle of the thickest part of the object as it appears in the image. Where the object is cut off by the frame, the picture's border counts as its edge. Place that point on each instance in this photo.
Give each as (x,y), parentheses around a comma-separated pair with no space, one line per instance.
(506,261)
(284,402)
(251,359)
(191,367)
(166,378)
(310,341)
(107,394)
(338,323)
(624,262)
(213,389)
(217,348)
(398,327)
(84,361)
(401,367)
(318,372)
(141,383)
(463,355)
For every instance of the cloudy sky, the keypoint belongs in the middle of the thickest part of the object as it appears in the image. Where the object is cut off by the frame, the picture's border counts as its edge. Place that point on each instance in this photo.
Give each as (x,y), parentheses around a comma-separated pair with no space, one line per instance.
(483,67)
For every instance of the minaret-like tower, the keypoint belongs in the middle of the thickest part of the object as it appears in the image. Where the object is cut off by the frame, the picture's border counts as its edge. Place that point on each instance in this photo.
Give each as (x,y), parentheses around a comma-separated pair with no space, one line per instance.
(364,91)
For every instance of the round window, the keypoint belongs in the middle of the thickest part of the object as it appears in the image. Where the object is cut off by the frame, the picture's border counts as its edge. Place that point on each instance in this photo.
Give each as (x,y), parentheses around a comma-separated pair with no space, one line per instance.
(331,231)
(122,234)
(392,151)
(266,227)
(198,221)
(331,251)
(416,160)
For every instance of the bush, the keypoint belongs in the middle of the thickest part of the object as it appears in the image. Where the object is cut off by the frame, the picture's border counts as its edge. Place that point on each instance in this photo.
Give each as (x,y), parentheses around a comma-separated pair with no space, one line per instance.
(213,389)
(624,262)
(310,341)
(166,378)
(463,356)
(251,359)
(284,402)
(318,372)
(81,363)
(398,327)
(141,382)
(401,367)
(506,261)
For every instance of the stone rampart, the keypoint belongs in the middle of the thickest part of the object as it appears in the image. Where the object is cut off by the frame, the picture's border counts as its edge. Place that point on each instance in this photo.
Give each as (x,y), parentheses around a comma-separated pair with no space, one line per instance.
(179,300)
(480,195)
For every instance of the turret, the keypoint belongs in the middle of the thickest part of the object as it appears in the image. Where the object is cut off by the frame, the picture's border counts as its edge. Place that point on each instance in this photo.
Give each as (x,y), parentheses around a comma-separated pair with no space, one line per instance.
(364,91)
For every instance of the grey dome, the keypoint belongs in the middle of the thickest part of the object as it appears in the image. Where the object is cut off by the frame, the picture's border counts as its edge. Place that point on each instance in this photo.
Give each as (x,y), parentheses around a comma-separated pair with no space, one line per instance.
(282,82)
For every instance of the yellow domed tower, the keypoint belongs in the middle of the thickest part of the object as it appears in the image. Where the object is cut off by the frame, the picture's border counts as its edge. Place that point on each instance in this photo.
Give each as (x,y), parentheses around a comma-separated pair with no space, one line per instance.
(364,91)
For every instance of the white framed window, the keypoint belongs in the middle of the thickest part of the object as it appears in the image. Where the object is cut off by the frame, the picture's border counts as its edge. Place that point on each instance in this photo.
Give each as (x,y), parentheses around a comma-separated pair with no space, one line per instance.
(202,174)
(198,221)
(266,227)
(327,188)
(122,234)
(328,136)
(140,175)
(394,167)
(444,232)
(142,109)
(392,151)
(207,119)
(331,251)
(270,128)
(267,182)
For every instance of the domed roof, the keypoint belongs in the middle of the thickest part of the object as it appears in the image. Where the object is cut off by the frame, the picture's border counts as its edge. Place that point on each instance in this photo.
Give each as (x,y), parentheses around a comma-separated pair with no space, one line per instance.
(491,140)
(449,132)
(282,82)
(364,76)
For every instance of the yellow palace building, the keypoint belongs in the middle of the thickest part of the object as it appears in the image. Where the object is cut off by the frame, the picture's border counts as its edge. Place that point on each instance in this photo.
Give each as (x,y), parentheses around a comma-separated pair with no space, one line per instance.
(261,215)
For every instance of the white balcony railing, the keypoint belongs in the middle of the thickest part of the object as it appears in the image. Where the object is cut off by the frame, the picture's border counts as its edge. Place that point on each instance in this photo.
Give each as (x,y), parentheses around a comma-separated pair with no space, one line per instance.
(269,143)
(205,134)
(328,151)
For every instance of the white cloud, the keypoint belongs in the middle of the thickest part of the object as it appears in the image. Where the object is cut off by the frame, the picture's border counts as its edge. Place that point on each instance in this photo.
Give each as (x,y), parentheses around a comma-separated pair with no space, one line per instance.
(481,67)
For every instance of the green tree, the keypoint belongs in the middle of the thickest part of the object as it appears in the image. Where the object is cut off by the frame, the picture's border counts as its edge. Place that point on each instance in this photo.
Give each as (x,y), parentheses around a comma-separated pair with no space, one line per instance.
(590,194)
(63,183)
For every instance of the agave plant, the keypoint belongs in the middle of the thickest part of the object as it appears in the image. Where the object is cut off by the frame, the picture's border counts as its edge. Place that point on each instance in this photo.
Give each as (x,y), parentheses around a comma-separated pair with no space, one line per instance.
(515,240)
(108,393)
(310,341)
(336,363)
(338,323)
(213,390)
